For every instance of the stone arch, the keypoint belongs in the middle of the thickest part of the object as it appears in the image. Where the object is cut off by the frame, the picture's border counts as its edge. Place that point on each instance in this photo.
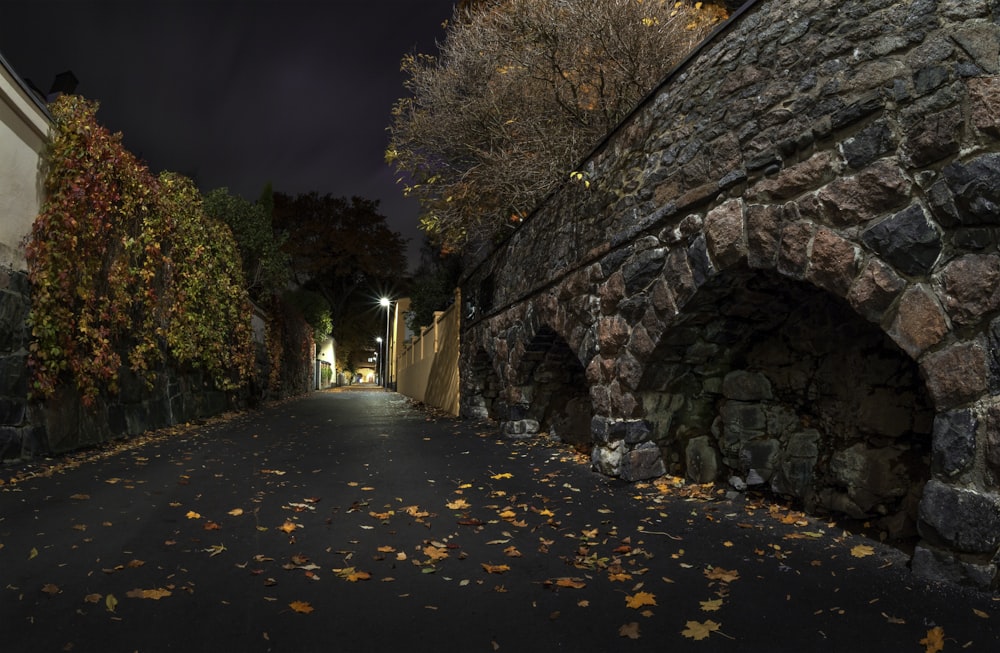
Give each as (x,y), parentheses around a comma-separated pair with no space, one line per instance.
(548,392)
(482,390)
(775,382)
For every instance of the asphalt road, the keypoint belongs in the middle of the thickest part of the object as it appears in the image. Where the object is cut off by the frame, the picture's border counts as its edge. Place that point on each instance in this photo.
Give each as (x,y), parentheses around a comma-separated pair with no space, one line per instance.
(351,521)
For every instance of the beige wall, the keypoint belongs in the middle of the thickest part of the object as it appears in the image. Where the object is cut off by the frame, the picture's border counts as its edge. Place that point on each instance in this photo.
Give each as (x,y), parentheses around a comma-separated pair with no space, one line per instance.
(24,129)
(428,364)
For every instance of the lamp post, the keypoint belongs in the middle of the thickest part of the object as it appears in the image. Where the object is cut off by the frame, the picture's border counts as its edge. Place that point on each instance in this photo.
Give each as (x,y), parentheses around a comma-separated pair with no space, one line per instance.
(386,303)
(378,361)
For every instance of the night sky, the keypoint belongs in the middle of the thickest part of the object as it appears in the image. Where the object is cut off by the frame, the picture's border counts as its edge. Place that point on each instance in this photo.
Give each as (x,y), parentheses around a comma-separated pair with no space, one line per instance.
(238,93)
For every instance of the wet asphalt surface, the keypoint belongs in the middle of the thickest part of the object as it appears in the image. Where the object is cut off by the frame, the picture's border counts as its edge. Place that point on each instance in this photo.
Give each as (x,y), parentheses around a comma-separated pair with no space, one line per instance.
(352,521)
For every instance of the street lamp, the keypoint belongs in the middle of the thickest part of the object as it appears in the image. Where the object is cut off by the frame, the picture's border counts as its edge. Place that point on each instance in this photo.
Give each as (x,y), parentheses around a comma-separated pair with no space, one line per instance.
(386,303)
(378,361)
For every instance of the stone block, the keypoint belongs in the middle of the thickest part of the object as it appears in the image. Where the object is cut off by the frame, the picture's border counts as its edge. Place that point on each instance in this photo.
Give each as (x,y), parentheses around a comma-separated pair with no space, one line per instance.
(945,567)
(868,145)
(763,235)
(701,460)
(641,463)
(954,442)
(919,323)
(875,191)
(933,137)
(874,290)
(724,233)
(793,250)
(761,456)
(520,428)
(956,375)
(971,286)
(742,385)
(984,99)
(962,519)
(968,193)
(833,262)
(907,241)
(606,458)
(742,421)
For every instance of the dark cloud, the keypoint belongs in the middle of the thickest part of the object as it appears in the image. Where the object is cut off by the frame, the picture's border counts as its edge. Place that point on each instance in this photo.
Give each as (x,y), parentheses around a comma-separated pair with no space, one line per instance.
(239,93)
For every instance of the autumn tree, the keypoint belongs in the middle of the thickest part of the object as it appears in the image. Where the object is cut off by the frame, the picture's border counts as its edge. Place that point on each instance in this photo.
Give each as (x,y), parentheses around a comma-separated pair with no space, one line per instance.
(343,250)
(265,264)
(518,93)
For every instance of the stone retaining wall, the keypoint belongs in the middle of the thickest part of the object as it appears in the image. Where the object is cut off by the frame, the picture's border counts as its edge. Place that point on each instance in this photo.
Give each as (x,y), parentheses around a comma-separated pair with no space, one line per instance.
(785,267)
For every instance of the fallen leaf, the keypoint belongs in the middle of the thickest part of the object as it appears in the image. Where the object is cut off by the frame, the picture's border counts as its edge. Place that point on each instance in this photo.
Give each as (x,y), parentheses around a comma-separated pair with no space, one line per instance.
(51,589)
(725,575)
(512,552)
(156,594)
(355,576)
(639,599)
(697,630)
(712,605)
(458,504)
(980,613)
(934,641)
(191,514)
(236,512)
(630,630)
(495,569)
(575,583)
(502,475)
(301,606)
(79,497)
(288,527)
(93,598)
(110,602)
(386,549)
(33,553)
(862,550)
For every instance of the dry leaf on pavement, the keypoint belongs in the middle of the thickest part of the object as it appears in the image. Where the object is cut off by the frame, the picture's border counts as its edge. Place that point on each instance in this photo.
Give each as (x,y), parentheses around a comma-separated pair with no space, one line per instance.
(698,630)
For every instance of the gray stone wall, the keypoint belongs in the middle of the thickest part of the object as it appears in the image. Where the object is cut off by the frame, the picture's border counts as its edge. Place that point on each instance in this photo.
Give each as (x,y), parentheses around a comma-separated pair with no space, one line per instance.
(848,151)
(18,437)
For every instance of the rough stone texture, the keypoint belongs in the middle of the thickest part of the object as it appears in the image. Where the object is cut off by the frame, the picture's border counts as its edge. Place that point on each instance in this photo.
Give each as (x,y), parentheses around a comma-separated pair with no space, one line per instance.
(954,442)
(642,462)
(919,323)
(729,218)
(907,241)
(957,375)
(956,517)
(702,460)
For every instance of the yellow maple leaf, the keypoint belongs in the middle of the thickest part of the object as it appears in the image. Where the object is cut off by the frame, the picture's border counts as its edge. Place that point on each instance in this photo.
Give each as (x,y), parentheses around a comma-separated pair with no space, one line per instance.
(386,549)
(512,552)
(712,605)
(301,606)
(236,512)
(934,641)
(570,582)
(495,569)
(862,550)
(434,553)
(640,599)
(725,575)
(630,630)
(193,515)
(458,504)
(156,594)
(288,527)
(355,576)
(697,630)
(502,475)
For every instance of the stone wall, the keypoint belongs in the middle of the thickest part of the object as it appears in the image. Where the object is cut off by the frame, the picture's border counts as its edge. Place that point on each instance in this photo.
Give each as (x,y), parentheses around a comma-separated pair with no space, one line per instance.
(783,268)
(18,437)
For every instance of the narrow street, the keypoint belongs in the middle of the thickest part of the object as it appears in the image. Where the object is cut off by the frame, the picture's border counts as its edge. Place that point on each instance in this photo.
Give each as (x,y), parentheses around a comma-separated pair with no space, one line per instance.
(351,521)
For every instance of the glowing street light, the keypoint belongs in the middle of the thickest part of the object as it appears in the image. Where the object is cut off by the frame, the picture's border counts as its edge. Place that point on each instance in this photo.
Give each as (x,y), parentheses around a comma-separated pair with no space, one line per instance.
(386,303)
(378,361)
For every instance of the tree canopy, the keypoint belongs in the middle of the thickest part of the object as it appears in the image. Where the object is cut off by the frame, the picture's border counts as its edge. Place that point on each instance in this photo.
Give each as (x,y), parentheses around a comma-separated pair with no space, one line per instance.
(343,250)
(518,93)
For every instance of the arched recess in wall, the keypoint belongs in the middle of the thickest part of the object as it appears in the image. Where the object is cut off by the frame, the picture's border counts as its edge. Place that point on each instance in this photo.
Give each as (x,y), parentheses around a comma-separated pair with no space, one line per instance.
(551,394)
(481,390)
(783,385)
